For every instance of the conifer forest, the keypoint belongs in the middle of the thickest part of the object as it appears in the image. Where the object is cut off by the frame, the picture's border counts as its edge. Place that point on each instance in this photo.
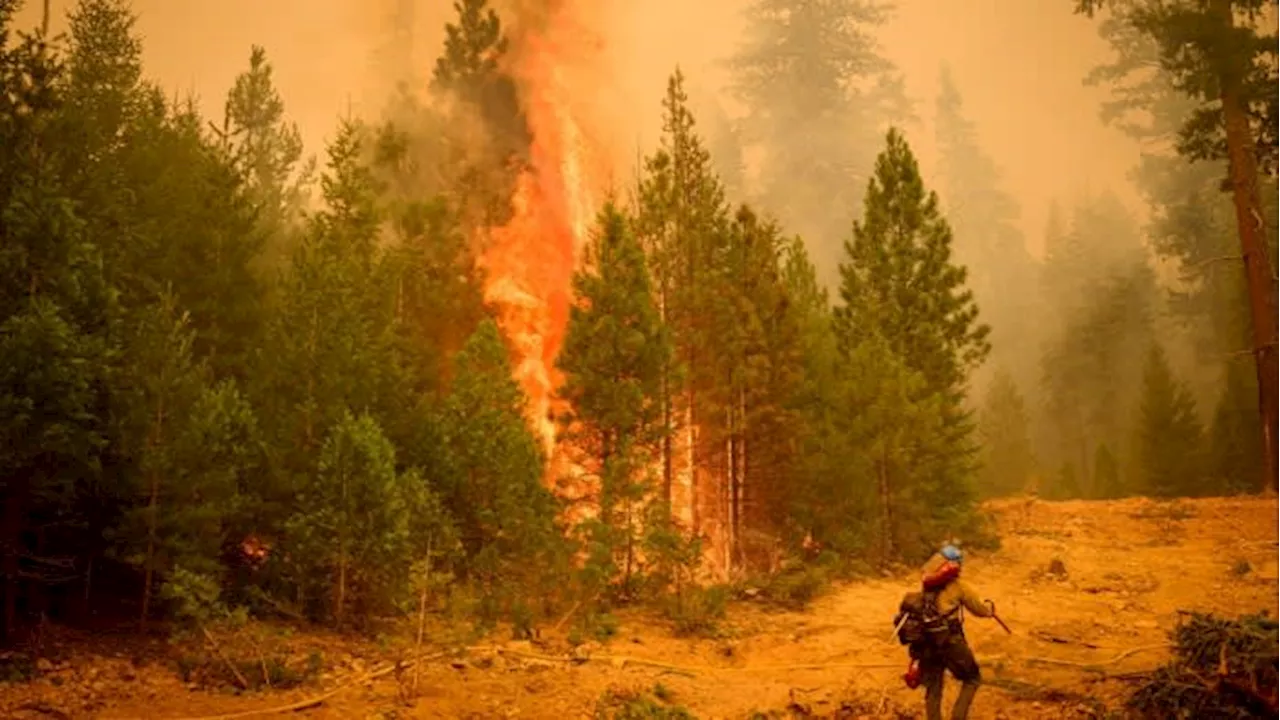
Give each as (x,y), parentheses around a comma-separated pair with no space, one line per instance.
(514,350)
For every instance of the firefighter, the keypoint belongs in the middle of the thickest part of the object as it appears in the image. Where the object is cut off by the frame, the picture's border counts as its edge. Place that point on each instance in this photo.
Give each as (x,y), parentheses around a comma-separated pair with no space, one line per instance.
(949,650)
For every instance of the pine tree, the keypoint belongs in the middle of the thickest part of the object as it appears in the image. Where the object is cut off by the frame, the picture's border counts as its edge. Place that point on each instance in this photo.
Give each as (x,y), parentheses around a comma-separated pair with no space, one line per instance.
(894,423)
(266,149)
(471,72)
(192,229)
(818,503)
(1193,221)
(899,279)
(1228,69)
(52,435)
(900,289)
(614,355)
(681,223)
(1171,434)
(506,518)
(439,297)
(821,95)
(54,308)
(192,443)
(1007,459)
(1096,275)
(332,332)
(1234,437)
(350,537)
(759,346)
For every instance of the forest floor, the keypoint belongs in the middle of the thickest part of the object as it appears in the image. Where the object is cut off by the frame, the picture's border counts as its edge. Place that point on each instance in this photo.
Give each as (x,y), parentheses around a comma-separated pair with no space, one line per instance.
(1130,567)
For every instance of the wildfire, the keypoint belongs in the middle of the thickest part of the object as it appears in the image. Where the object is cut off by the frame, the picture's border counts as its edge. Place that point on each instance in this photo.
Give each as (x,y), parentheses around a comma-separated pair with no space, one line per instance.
(561,69)
(530,261)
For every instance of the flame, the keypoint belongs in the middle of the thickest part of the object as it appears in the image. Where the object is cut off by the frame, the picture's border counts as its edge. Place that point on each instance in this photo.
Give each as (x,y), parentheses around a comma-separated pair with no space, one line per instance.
(530,261)
(559,64)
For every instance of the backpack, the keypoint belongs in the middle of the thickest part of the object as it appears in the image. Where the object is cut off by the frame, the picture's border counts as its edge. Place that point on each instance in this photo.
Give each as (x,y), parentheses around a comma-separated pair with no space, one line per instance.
(918,621)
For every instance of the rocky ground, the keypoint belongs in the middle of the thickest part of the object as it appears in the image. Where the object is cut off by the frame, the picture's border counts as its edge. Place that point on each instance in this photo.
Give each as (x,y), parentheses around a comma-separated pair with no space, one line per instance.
(1088,588)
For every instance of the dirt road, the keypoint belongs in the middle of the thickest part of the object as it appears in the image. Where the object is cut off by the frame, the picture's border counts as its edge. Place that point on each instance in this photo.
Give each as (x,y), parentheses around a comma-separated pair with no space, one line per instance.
(1126,569)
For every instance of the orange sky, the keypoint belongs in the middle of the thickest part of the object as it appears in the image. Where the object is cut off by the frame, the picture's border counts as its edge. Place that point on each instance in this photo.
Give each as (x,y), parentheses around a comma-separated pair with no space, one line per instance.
(1018,64)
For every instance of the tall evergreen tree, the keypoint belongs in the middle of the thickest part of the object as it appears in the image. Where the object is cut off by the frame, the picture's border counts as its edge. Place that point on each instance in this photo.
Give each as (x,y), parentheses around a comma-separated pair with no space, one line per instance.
(900,289)
(1171,434)
(267,151)
(439,296)
(55,310)
(471,73)
(615,352)
(899,279)
(681,222)
(819,503)
(193,444)
(506,518)
(1007,458)
(1192,220)
(1096,276)
(350,537)
(759,346)
(820,95)
(1220,54)
(332,331)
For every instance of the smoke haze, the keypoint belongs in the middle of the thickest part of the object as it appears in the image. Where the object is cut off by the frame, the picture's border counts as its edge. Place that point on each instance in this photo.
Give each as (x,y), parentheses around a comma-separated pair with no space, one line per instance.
(1018,66)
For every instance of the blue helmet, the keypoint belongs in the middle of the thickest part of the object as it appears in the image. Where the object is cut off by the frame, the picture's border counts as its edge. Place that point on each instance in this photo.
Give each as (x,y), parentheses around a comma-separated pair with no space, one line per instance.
(953,553)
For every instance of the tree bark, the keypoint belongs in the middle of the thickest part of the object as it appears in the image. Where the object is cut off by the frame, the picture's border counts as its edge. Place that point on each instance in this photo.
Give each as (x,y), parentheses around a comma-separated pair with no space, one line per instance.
(726,496)
(696,520)
(1243,169)
(886,508)
(341,600)
(148,575)
(422,620)
(740,491)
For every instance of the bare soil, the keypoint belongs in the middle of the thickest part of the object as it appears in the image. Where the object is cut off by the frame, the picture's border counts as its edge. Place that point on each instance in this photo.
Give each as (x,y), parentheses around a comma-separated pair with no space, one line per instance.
(1090,590)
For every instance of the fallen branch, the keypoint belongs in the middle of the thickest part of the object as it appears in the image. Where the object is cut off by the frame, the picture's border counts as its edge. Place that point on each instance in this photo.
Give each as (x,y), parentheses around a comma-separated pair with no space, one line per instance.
(1090,666)
(278,606)
(1128,676)
(1041,635)
(244,684)
(319,699)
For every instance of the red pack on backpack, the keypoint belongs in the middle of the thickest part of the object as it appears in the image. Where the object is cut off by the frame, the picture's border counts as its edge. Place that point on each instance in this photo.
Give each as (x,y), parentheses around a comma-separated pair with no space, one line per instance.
(945,573)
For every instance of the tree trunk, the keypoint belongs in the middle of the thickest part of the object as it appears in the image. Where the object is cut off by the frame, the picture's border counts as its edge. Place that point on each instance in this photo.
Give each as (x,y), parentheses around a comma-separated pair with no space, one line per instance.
(15,516)
(740,495)
(340,603)
(696,521)
(667,429)
(422,620)
(308,421)
(886,508)
(148,575)
(1249,224)
(631,542)
(341,600)
(726,495)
